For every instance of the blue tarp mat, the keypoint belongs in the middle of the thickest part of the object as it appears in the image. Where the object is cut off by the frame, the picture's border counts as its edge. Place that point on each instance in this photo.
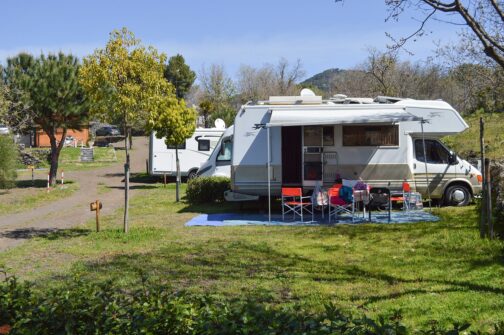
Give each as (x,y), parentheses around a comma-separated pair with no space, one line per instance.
(240,219)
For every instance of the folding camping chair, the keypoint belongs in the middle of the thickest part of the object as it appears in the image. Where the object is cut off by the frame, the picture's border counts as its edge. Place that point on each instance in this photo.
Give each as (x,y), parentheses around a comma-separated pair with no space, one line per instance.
(336,204)
(294,201)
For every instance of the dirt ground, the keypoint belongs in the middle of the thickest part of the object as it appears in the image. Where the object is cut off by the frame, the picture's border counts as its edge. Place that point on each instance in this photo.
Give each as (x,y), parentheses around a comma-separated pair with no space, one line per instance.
(74,210)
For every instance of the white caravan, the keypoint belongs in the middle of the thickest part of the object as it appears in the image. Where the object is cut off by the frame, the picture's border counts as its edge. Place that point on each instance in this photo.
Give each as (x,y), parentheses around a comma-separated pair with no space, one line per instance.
(304,140)
(194,151)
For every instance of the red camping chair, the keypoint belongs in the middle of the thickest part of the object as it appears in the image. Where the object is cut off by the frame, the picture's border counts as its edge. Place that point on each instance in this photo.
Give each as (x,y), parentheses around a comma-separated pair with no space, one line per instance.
(336,204)
(294,201)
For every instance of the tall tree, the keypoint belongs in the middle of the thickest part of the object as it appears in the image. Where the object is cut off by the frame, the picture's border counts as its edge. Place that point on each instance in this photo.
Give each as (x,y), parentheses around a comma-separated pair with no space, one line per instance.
(49,85)
(125,80)
(180,75)
(218,90)
(19,116)
(287,76)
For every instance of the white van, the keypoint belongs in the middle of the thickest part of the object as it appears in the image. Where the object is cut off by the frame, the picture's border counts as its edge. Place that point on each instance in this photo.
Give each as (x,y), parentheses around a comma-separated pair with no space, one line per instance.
(194,151)
(304,140)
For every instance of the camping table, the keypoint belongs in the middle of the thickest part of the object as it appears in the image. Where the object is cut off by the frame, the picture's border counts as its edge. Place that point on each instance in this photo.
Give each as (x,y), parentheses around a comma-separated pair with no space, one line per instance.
(379,191)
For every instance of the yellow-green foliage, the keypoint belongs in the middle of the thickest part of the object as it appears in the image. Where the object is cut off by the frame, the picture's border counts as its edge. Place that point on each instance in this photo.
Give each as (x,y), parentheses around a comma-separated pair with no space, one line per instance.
(125,80)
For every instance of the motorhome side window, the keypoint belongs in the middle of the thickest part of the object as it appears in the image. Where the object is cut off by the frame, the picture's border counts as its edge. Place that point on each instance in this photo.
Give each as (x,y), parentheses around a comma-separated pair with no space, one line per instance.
(180,146)
(435,151)
(360,136)
(203,145)
(225,151)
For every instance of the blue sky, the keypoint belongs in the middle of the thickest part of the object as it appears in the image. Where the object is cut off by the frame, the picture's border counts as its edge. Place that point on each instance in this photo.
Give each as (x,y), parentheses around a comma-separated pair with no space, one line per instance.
(322,33)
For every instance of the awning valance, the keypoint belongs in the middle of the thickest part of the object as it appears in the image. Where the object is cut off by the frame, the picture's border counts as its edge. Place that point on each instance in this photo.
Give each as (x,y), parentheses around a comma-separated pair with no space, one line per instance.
(311,117)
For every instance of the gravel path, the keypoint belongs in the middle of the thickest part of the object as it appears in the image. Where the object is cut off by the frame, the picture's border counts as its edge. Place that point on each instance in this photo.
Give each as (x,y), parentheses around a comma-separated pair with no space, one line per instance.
(74,210)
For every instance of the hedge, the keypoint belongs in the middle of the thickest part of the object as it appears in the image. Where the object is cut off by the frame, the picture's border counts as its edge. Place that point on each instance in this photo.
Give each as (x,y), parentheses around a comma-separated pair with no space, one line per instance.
(80,307)
(207,189)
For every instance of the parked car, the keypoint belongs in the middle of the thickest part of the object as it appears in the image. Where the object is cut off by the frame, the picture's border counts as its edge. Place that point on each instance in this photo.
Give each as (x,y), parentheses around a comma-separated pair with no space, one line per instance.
(4,130)
(108,131)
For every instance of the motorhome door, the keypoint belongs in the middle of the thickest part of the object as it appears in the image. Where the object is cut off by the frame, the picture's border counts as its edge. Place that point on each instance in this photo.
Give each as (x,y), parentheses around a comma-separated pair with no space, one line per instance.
(439,168)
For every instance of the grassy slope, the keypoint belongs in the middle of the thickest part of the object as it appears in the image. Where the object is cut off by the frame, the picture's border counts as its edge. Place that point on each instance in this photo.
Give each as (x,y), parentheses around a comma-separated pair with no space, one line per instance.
(70,158)
(428,270)
(467,142)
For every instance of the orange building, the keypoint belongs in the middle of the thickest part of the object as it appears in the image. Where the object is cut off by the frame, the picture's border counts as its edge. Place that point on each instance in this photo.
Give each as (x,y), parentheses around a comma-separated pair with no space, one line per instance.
(42,140)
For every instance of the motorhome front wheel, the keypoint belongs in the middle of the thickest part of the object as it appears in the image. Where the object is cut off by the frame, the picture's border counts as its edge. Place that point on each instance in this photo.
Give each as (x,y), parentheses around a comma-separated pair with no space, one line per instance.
(457,195)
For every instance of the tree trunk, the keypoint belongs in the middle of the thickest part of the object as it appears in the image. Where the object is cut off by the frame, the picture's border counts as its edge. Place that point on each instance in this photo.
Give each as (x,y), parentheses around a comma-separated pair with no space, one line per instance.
(126,178)
(55,152)
(130,137)
(177,185)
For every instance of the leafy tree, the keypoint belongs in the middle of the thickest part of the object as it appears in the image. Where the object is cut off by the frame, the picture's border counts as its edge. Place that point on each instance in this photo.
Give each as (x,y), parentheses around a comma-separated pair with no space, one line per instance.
(49,85)
(180,75)
(125,80)
(9,155)
(175,122)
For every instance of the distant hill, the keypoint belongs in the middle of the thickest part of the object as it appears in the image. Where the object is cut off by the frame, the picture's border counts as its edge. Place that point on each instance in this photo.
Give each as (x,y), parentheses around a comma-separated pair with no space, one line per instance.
(323,80)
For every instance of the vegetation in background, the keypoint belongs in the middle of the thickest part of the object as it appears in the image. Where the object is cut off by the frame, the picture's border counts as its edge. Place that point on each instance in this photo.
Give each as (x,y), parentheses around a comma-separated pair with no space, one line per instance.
(8,162)
(467,145)
(207,189)
(430,271)
(180,75)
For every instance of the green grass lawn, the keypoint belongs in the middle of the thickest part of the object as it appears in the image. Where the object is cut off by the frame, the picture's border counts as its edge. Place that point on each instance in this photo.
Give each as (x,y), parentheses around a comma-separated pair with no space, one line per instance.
(441,270)
(467,143)
(27,196)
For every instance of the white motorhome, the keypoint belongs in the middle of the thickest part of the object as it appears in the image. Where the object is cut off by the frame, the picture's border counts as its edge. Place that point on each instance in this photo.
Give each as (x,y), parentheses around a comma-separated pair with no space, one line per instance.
(219,162)
(194,151)
(304,140)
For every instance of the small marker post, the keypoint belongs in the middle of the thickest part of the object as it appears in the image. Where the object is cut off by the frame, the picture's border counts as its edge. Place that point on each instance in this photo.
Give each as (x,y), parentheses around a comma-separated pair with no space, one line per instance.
(62,176)
(48,185)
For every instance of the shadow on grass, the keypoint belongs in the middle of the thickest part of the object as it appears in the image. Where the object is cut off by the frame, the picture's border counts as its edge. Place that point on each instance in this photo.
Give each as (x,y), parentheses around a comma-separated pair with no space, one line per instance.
(47,233)
(37,183)
(218,264)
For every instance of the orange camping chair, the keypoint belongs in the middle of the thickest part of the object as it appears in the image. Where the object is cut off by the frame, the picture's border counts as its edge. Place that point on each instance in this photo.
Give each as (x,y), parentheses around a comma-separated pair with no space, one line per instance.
(336,204)
(294,201)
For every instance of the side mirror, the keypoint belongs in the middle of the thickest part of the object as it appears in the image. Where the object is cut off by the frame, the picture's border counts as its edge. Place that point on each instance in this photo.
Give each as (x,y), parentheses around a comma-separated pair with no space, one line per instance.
(452,158)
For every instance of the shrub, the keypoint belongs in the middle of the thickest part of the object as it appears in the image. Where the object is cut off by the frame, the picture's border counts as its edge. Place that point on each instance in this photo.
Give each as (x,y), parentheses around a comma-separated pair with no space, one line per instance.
(207,189)
(8,162)
(80,307)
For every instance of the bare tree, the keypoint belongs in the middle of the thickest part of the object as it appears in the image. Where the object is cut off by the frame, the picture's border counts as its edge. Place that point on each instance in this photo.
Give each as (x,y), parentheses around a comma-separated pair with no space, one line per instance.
(287,76)
(217,91)
(484,20)
(256,83)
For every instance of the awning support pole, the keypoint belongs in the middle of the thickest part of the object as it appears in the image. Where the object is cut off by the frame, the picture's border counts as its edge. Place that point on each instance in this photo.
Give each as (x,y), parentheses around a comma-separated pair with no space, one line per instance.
(425,162)
(269,175)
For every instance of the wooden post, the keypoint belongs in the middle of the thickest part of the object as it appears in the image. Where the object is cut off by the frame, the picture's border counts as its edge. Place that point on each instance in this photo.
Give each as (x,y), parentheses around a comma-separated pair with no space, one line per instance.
(489,198)
(126,195)
(97,215)
(177,186)
(484,193)
(164,179)
(33,175)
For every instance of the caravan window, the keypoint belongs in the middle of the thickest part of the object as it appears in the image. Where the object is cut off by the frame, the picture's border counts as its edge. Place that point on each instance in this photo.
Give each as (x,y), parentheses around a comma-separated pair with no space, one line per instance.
(374,136)
(203,145)
(435,151)
(225,152)
(180,146)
